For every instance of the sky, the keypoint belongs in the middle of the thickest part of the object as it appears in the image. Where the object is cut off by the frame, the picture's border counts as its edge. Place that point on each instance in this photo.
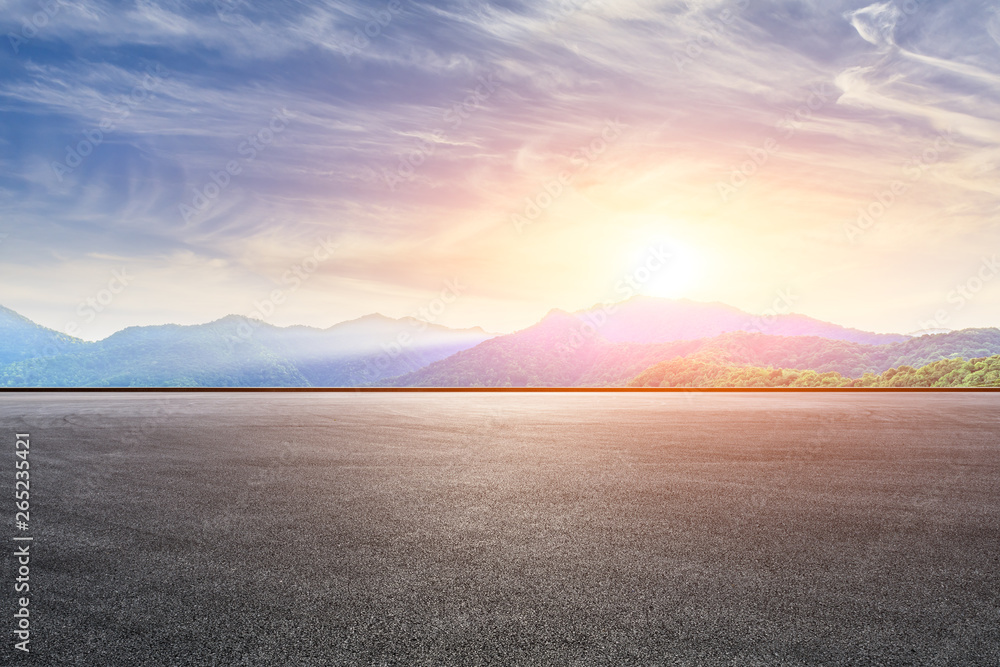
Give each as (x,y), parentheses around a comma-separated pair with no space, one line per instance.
(481,163)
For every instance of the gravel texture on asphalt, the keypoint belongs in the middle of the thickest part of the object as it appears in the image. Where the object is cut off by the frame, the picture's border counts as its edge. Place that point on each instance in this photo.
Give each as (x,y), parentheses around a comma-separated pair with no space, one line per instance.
(508,529)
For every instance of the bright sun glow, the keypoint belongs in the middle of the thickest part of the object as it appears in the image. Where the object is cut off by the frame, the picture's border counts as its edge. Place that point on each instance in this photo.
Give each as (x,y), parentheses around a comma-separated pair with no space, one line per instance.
(665,267)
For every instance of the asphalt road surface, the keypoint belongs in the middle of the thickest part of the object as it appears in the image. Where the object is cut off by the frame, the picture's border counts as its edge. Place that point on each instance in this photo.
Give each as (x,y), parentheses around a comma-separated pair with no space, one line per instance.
(507,529)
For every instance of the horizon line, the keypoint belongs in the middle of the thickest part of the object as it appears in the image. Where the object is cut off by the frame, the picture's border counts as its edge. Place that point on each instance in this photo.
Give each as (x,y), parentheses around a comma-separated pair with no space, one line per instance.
(495,334)
(479,390)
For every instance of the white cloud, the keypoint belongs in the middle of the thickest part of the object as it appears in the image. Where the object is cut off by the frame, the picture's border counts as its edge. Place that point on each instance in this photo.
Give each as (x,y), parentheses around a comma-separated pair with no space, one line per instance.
(876,23)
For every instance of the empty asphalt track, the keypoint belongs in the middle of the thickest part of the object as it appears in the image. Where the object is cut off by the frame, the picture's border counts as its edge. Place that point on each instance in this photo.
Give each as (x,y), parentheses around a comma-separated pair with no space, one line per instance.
(508,529)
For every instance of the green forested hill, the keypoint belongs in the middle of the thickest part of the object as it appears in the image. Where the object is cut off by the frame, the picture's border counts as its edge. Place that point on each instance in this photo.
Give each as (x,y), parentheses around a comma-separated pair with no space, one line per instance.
(694,372)
(20,339)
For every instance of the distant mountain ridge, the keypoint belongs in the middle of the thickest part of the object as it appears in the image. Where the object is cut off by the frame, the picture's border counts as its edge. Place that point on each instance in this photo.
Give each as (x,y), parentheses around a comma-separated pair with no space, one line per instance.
(239,352)
(603,346)
(557,352)
(644,319)
(20,339)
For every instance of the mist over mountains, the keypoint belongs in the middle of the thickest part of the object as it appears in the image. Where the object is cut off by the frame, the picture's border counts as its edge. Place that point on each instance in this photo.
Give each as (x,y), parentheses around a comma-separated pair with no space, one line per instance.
(605,346)
(557,352)
(643,319)
(230,352)
(20,339)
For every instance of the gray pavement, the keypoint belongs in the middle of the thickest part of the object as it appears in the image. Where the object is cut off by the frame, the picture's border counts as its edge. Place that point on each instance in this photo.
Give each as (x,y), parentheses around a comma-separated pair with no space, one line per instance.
(509,529)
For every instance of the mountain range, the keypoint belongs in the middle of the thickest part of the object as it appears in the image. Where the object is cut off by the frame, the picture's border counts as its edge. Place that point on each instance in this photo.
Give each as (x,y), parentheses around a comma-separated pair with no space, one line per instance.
(644,319)
(643,342)
(230,352)
(555,353)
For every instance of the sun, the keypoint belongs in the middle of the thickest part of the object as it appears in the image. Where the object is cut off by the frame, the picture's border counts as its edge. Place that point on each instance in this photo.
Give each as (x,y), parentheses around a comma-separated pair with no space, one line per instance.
(665,267)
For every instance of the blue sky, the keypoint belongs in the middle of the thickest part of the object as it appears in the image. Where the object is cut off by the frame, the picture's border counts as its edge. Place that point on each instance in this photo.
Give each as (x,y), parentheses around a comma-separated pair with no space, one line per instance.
(333,159)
